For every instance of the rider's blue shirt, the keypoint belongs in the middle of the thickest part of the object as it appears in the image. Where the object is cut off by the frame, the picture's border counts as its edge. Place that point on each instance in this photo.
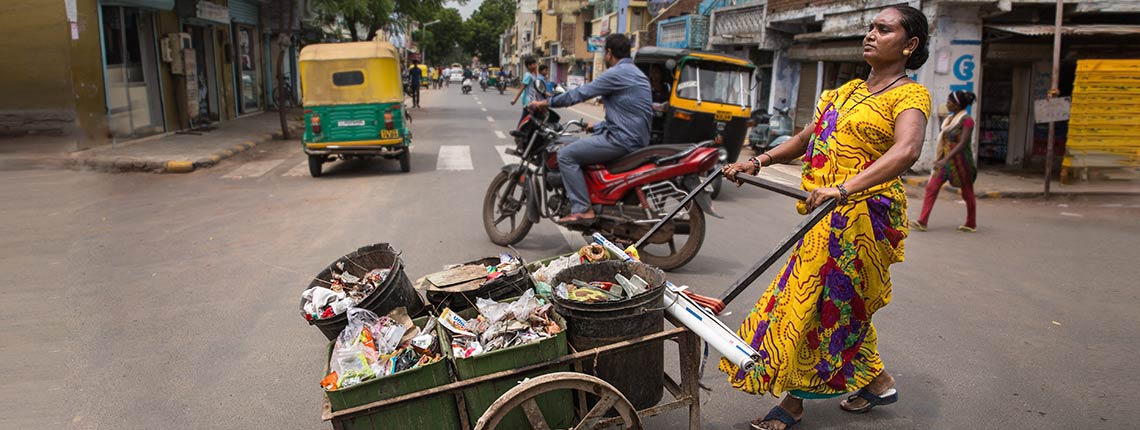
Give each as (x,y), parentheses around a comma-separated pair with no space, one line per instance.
(629,104)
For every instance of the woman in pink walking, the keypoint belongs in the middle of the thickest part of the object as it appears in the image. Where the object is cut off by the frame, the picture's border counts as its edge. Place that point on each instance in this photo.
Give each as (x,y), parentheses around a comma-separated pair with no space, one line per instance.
(955,161)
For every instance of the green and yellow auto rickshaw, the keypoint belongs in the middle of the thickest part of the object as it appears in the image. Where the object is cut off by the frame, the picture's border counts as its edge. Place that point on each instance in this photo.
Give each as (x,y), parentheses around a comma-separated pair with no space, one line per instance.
(703,96)
(354,103)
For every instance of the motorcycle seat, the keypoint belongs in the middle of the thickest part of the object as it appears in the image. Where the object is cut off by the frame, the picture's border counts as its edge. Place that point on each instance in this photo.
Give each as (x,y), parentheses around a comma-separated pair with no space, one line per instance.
(644,155)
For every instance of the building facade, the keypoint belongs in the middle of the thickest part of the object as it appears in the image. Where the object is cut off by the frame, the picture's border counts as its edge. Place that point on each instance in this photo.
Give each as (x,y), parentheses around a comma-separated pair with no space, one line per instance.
(127,69)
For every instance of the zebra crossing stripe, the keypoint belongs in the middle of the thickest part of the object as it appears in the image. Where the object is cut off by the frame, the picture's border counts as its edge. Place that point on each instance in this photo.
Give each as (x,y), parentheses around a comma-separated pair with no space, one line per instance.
(299,170)
(507,158)
(500,134)
(454,157)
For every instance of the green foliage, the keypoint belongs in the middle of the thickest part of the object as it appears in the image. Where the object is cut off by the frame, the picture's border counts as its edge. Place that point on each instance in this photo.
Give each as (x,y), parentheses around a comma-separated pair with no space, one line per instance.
(485,26)
(364,17)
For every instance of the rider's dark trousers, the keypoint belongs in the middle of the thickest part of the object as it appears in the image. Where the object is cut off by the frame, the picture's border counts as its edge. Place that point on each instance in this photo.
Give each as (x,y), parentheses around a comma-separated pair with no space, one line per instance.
(594,149)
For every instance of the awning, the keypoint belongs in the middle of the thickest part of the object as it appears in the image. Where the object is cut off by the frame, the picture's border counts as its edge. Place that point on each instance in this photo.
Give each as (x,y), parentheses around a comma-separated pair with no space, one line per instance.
(1070,30)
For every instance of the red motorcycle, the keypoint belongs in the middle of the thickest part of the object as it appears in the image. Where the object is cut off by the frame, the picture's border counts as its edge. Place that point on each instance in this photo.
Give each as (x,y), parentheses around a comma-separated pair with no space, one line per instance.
(629,195)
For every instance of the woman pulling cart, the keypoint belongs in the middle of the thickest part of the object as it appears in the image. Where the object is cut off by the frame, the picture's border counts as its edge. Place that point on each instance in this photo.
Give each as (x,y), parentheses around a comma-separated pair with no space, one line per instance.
(812,327)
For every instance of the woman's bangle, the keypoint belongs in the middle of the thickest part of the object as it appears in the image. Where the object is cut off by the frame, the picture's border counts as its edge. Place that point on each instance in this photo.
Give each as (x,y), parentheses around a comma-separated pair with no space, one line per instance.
(770,160)
(755,163)
(842,193)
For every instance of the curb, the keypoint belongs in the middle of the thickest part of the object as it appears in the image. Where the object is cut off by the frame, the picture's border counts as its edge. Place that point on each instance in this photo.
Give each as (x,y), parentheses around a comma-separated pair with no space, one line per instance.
(921,182)
(119,165)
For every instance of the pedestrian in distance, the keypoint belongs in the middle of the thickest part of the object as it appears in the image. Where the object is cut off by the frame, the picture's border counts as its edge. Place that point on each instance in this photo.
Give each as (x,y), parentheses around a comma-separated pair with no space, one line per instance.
(955,162)
(415,79)
(528,92)
(812,326)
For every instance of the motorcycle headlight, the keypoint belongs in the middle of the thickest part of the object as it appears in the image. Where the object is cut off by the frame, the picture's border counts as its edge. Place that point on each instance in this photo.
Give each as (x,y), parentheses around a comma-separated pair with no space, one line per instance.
(722,155)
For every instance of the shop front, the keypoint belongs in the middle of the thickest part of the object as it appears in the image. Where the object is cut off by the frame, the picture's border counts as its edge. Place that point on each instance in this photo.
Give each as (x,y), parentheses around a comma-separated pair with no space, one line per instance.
(131,67)
(823,66)
(248,62)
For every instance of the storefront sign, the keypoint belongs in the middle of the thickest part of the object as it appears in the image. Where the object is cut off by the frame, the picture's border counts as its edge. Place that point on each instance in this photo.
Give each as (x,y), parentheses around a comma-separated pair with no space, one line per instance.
(575,81)
(596,44)
(604,29)
(211,11)
(963,71)
(1052,110)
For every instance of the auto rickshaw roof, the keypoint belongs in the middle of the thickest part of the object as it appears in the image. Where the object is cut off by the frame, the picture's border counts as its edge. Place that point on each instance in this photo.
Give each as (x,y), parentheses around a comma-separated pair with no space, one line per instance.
(659,55)
(348,51)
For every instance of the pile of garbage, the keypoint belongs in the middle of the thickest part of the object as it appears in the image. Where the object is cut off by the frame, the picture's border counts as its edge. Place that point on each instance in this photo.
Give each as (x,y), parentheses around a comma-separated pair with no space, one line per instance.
(500,325)
(601,291)
(508,264)
(372,346)
(345,290)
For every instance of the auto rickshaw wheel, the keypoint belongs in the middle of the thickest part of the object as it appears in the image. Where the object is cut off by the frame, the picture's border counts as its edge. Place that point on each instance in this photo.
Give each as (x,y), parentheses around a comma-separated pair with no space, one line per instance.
(315,162)
(406,160)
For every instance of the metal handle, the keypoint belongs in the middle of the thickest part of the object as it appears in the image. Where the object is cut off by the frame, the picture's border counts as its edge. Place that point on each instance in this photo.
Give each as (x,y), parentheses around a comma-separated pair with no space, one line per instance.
(688,198)
(773,186)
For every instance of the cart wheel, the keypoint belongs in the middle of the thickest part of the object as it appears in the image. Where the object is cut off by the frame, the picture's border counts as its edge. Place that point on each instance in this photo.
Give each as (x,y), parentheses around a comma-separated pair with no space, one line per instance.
(315,162)
(406,160)
(525,393)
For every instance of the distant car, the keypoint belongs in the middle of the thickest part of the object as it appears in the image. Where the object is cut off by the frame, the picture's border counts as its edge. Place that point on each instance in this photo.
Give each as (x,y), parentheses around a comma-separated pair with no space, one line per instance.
(457,76)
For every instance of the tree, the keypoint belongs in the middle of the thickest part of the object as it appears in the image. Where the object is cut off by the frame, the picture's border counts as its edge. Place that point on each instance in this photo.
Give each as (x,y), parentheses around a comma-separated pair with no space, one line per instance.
(373,15)
(283,20)
(438,42)
(486,25)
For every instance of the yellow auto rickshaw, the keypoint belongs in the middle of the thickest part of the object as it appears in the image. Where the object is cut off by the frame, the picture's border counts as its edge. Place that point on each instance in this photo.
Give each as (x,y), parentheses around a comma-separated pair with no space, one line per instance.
(354,103)
(701,96)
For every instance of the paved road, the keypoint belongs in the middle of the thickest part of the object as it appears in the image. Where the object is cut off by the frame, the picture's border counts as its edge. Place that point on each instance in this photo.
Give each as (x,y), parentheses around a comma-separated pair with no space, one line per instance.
(142,301)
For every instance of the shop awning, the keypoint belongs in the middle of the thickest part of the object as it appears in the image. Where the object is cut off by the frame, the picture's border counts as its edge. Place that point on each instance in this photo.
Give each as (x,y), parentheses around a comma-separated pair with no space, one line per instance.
(1070,30)
(151,4)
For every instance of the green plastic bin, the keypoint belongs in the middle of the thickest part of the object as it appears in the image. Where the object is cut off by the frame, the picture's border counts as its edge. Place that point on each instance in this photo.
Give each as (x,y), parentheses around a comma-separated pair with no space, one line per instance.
(556,406)
(435,412)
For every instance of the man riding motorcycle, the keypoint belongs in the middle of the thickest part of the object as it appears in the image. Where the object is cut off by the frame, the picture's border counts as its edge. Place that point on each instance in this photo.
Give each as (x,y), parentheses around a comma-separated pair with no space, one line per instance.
(624,90)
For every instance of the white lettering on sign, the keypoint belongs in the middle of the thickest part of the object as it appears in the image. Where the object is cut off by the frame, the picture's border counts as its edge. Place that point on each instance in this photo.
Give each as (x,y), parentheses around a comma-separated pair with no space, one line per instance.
(354,123)
(1052,110)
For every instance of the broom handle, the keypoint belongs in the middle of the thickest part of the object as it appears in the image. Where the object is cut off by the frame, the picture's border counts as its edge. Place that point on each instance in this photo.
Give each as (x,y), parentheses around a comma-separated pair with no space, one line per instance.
(804,226)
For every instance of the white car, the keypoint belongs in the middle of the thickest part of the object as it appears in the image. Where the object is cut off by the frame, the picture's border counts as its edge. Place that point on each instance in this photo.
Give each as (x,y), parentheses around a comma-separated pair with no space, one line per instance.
(456,76)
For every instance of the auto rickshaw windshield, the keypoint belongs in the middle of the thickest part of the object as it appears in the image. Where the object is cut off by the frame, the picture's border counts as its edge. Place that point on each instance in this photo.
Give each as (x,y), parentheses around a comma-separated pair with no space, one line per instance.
(714,82)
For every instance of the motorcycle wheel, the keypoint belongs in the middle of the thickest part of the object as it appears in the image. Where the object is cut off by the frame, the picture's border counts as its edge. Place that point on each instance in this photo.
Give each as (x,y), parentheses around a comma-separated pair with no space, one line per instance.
(505,201)
(716,187)
(693,228)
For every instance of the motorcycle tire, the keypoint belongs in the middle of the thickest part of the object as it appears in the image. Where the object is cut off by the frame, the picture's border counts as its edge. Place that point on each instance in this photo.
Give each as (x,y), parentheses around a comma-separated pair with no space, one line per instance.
(491,201)
(682,256)
(716,185)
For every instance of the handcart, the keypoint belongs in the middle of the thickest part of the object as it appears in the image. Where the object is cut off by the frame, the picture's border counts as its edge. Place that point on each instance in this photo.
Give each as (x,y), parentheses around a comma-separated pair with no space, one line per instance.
(611,407)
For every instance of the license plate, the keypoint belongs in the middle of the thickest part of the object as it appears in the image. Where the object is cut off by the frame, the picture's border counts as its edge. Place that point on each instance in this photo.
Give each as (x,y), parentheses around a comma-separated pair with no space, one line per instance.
(723,116)
(354,123)
(389,134)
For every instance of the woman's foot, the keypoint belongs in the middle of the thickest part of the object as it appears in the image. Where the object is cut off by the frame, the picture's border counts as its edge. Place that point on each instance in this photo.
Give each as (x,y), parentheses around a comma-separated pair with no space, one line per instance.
(967,229)
(881,391)
(782,417)
(918,226)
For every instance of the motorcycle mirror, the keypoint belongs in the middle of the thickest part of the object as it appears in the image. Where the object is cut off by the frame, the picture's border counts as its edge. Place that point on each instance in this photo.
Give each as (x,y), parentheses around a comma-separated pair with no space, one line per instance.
(670,64)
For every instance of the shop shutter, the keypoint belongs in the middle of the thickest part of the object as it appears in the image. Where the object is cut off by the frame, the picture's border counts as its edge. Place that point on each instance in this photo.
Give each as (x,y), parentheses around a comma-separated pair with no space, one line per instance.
(243,11)
(1105,111)
(805,97)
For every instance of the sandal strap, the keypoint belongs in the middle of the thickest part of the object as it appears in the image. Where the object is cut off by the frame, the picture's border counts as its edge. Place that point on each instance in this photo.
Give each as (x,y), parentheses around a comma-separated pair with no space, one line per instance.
(780,414)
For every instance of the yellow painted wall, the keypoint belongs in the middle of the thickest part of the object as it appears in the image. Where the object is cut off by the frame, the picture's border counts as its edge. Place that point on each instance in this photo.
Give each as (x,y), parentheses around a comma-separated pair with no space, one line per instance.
(35,89)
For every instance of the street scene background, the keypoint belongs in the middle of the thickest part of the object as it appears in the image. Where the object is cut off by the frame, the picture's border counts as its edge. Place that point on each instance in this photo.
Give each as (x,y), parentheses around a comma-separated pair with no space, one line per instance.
(160,219)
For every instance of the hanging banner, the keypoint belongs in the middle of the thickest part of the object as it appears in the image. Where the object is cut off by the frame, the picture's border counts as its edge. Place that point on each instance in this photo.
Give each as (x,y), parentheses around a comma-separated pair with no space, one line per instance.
(211,11)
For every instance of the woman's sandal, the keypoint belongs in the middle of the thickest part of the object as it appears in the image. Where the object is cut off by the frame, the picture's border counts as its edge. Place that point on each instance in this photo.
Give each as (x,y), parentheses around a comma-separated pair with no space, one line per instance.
(967,229)
(777,414)
(890,396)
(918,226)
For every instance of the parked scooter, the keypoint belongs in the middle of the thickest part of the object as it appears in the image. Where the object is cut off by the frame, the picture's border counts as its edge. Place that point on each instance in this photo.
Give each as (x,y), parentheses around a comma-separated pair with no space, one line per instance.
(769,131)
(467,86)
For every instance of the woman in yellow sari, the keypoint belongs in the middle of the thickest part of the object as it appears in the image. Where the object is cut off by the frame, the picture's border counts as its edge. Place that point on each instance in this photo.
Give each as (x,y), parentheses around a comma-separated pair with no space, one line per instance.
(812,327)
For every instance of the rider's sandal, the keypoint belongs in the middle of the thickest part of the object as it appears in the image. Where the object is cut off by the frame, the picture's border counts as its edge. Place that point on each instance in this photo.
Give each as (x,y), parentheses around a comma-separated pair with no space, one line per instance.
(890,396)
(778,414)
(576,220)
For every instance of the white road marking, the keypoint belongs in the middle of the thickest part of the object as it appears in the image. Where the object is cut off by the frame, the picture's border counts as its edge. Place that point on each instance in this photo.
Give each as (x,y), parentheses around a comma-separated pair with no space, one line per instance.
(478,102)
(1070,214)
(483,109)
(500,134)
(299,170)
(454,157)
(490,119)
(477,98)
(253,169)
(507,158)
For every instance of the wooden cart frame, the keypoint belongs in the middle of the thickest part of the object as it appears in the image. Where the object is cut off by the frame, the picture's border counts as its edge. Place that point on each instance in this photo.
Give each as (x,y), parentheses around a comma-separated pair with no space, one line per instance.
(685,393)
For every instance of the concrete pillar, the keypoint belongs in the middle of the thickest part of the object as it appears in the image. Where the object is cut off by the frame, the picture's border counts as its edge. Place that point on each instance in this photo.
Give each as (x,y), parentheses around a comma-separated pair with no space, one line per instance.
(954,64)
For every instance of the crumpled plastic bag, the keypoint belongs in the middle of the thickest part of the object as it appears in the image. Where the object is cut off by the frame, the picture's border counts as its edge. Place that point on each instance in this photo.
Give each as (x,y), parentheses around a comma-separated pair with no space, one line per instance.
(548,272)
(351,363)
(358,319)
(494,311)
(524,306)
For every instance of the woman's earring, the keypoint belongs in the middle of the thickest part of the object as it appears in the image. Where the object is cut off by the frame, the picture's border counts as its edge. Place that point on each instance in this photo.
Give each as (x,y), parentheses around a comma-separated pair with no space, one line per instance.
(906,52)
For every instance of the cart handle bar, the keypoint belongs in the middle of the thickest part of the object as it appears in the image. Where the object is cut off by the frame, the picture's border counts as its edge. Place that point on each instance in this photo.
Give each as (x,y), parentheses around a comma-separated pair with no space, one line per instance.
(801,229)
